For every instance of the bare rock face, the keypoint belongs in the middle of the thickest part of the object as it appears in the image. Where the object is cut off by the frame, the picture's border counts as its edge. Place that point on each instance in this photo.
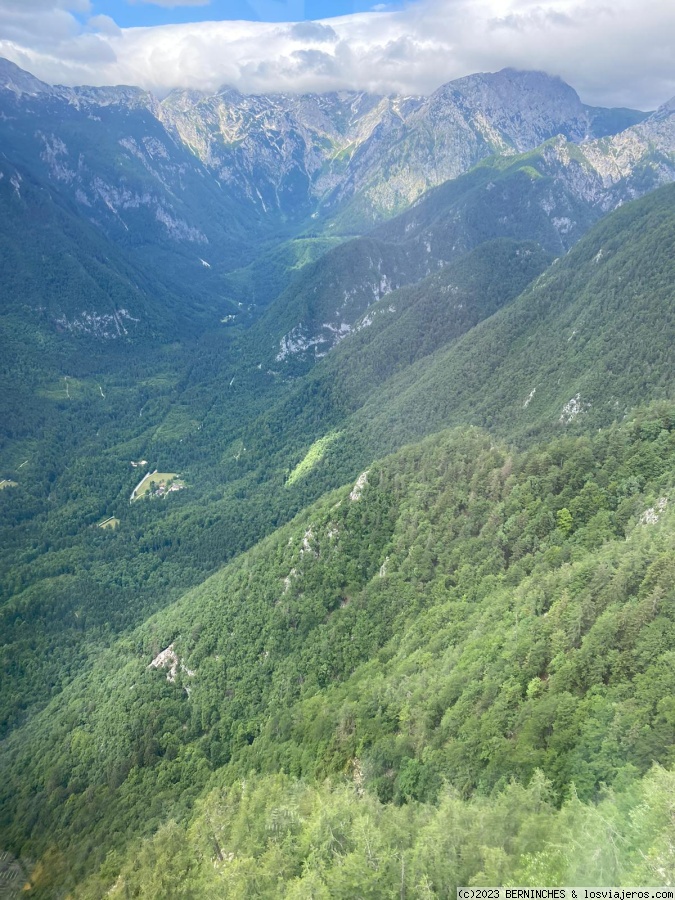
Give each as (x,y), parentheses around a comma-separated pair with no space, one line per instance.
(374,154)
(648,146)
(19,82)
(278,151)
(526,108)
(461,123)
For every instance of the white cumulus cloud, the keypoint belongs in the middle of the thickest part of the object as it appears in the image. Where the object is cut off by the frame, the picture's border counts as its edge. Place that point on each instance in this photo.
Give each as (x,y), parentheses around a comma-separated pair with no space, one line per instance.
(617,53)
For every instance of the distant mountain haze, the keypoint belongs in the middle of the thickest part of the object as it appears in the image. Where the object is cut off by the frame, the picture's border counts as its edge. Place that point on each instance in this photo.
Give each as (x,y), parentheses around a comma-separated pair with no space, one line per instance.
(190,187)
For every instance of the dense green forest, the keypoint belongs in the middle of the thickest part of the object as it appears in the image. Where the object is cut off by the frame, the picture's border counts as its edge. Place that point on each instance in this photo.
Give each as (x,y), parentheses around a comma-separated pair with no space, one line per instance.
(178,408)
(407,620)
(278,837)
(465,615)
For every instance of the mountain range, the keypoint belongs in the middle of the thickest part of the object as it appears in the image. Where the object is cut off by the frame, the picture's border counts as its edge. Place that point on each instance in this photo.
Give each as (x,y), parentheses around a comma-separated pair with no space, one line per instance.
(192,186)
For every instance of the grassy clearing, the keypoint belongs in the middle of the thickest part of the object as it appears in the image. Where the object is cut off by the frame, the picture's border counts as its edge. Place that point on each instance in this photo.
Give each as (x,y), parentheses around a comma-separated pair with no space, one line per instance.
(156,482)
(313,456)
(233,451)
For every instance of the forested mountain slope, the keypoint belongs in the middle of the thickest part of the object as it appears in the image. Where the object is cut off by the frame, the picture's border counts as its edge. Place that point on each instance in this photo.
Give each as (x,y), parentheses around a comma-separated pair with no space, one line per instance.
(499,199)
(327,841)
(103,152)
(254,449)
(186,418)
(465,614)
(589,339)
(71,302)
(551,195)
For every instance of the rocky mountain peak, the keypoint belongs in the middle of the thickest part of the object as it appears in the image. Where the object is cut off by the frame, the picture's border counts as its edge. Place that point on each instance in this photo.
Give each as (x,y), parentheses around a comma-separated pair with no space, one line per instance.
(118,95)
(518,85)
(15,79)
(667,109)
(525,107)
(229,94)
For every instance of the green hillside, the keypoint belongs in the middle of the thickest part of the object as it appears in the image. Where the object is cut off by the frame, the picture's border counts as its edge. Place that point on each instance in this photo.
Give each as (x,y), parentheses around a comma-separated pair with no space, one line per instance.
(415,321)
(282,838)
(530,197)
(258,284)
(236,433)
(588,340)
(524,197)
(466,614)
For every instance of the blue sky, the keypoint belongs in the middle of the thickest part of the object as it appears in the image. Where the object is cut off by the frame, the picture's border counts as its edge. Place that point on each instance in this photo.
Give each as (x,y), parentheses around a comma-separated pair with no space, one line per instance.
(130,13)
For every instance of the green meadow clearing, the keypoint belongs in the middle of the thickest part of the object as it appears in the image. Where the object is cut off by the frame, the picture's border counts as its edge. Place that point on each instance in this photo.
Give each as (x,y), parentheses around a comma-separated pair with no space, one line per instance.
(154,481)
